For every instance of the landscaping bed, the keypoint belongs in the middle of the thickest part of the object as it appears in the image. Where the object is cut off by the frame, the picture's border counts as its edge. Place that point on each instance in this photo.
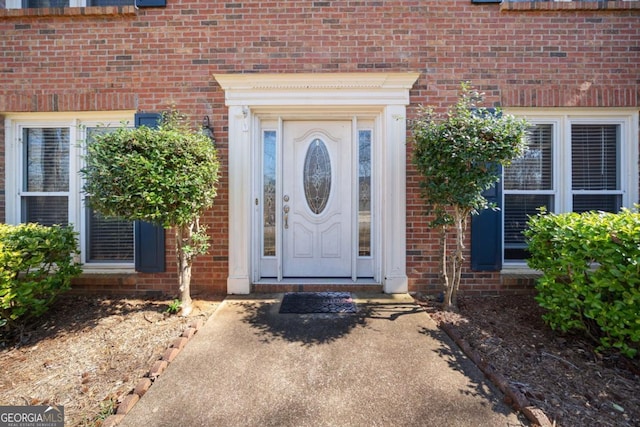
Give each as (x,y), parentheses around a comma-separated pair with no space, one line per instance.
(88,353)
(560,374)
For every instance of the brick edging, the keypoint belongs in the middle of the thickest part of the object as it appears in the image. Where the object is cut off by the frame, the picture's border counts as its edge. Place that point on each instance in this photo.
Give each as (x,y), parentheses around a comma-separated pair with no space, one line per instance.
(513,397)
(156,369)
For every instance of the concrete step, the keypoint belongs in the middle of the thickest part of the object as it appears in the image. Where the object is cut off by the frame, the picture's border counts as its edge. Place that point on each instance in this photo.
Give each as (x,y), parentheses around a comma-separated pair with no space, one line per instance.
(269,288)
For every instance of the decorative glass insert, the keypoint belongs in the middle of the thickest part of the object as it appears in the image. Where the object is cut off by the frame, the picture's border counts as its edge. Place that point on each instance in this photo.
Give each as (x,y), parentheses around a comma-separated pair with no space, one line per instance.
(317,176)
(45,186)
(269,192)
(364,193)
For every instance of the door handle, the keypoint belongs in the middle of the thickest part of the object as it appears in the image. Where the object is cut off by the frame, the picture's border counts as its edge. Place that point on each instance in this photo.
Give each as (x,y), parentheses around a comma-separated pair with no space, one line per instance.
(286,216)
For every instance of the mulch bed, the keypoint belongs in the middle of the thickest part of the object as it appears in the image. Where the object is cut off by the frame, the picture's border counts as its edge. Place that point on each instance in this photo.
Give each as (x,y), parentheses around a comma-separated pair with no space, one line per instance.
(562,375)
(88,353)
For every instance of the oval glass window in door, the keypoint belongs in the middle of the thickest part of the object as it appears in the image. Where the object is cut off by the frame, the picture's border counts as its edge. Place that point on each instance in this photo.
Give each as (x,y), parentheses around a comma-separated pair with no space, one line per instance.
(317,176)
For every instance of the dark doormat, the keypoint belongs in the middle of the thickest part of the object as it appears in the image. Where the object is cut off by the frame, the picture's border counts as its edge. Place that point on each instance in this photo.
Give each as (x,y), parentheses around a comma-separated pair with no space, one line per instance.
(317,302)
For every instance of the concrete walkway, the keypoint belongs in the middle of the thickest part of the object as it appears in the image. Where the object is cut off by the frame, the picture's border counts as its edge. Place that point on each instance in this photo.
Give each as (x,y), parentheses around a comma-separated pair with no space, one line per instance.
(387,365)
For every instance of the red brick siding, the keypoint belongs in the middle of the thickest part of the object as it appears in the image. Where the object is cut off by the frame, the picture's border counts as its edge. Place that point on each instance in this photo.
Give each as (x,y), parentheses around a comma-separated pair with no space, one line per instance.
(149,58)
(2,175)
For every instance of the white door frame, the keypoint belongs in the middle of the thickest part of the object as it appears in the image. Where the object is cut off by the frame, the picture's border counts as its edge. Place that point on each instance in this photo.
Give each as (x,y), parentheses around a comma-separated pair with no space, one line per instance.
(251,97)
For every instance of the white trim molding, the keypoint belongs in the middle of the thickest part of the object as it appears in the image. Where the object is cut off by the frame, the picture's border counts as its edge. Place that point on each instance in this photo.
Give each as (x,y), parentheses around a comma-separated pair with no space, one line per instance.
(250,97)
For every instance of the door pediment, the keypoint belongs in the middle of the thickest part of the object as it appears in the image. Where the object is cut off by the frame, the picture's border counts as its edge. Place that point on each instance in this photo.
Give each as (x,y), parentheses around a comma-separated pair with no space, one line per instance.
(259,90)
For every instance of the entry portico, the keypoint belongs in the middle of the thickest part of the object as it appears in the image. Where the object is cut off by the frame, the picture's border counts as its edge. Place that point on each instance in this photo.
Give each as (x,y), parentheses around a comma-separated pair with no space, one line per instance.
(317,169)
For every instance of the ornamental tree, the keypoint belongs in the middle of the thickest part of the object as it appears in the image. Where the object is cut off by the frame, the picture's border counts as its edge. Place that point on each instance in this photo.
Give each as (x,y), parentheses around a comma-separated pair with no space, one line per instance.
(166,176)
(459,155)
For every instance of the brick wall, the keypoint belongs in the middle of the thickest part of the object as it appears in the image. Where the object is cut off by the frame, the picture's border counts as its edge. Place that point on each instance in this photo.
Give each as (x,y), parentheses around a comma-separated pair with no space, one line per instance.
(146,59)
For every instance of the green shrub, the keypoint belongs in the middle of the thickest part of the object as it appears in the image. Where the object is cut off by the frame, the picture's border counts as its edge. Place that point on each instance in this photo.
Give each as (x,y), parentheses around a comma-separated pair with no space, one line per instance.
(36,265)
(591,274)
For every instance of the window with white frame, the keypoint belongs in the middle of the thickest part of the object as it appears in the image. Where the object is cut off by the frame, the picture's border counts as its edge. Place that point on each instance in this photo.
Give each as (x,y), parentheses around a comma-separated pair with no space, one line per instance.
(573,163)
(28,4)
(44,156)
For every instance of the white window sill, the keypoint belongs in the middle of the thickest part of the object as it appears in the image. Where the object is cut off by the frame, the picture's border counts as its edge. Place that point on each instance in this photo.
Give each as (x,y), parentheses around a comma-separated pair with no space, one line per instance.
(68,11)
(508,6)
(95,268)
(519,270)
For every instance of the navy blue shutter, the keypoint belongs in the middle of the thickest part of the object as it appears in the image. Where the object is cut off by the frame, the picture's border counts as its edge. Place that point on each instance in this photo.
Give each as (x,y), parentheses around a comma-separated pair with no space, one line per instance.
(148,238)
(486,234)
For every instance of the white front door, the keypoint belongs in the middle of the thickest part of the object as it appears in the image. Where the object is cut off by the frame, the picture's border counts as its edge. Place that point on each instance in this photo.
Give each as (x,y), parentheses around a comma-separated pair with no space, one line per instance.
(317,238)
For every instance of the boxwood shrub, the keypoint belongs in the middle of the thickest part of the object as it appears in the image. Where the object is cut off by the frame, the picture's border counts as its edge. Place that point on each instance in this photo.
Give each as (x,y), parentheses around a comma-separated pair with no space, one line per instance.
(591,274)
(36,265)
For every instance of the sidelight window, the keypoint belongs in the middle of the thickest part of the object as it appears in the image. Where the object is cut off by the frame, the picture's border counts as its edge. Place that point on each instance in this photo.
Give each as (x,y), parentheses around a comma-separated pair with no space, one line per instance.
(269,192)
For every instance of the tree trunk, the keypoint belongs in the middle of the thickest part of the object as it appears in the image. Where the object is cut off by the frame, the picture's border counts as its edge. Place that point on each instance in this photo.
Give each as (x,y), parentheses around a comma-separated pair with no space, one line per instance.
(183,238)
(458,257)
(457,261)
(444,275)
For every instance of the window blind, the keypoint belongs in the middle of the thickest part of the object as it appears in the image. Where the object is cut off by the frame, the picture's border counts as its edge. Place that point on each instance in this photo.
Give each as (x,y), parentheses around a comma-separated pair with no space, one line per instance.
(44,3)
(534,170)
(517,208)
(108,239)
(45,170)
(46,159)
(594,157)
(595,168)
(45,210)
